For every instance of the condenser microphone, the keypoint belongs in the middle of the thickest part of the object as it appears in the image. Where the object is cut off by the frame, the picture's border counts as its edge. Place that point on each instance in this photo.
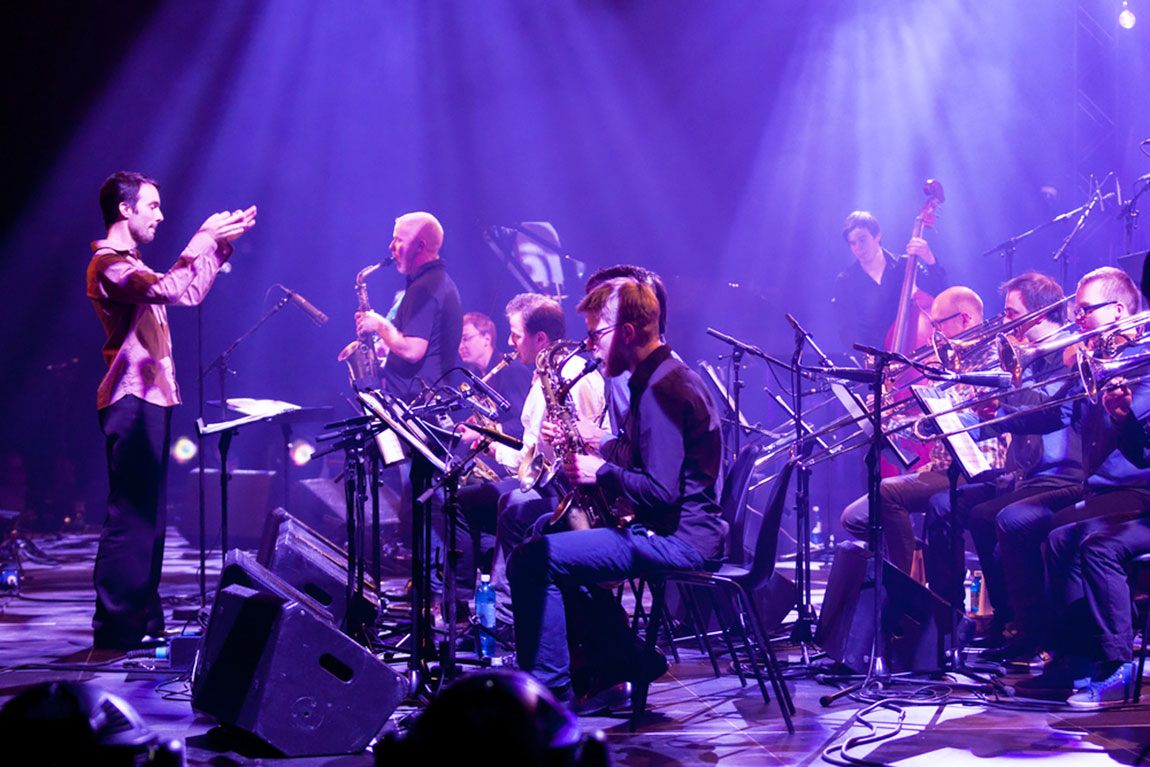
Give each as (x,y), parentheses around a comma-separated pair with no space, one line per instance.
(992,379)
(497,436)
(316,315)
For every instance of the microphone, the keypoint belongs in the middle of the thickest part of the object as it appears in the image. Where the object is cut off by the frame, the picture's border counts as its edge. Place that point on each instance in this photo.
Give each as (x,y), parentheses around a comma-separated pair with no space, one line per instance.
(795,324)
(995,380)
(862,375)
(497,436)
(316,315)
(484,387)
(476,406)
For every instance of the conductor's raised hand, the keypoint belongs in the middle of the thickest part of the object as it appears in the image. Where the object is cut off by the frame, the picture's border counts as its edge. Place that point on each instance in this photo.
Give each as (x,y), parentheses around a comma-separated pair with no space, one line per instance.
(229,224)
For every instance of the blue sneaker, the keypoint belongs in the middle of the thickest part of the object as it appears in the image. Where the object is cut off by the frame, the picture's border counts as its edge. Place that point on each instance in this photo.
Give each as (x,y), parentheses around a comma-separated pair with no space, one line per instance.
(1115,690)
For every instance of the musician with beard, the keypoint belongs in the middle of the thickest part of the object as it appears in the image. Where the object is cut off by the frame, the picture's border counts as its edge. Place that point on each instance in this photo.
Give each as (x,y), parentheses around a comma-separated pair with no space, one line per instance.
(664,464)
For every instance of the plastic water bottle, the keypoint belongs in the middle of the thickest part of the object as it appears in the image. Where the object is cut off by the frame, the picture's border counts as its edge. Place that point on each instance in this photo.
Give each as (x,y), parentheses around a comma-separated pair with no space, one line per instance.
(485,610)
(975,591)
(817,538)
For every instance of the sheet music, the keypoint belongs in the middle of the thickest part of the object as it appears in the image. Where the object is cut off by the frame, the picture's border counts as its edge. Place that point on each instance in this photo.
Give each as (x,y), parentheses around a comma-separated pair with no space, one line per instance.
(378,408)
(962,446)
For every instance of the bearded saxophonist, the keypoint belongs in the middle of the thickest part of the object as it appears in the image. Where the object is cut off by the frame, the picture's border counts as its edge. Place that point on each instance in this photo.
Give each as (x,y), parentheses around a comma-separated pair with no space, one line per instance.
(665,463)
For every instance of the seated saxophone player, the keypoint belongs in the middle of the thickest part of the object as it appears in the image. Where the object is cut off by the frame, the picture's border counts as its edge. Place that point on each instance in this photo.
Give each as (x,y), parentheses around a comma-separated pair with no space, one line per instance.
(511,381)
(664,463)
(422,339)
(502,508)
(953,311)
(1043,472)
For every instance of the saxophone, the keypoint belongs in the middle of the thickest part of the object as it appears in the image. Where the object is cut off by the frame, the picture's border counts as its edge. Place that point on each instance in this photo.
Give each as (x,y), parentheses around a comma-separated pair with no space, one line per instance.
(585,506)
(363,368)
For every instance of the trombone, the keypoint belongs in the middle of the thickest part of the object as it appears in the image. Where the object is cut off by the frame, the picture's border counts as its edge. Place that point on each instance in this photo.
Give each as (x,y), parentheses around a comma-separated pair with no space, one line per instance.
(966,351)
(1015,358)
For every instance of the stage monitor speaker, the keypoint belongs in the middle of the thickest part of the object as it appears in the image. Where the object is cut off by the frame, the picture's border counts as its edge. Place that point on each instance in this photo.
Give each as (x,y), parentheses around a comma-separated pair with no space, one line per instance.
(271,668)
(310,563)
(249,494)
(321,504)
(916,622)
(241,568)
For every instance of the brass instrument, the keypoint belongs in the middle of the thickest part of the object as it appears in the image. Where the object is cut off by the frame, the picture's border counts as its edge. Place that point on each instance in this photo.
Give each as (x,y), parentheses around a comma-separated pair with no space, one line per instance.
(1015,358)
(535,469)
(481,470)
(363,368)
(975,348)
(585,506)
(1097,372)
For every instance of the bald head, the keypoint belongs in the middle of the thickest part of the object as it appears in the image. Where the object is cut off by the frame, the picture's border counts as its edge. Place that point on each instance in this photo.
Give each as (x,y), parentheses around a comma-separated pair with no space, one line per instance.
(417,239)
(956,309)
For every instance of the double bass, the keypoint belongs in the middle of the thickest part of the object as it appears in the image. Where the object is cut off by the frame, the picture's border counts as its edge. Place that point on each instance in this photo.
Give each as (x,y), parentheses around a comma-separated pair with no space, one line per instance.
(912,327)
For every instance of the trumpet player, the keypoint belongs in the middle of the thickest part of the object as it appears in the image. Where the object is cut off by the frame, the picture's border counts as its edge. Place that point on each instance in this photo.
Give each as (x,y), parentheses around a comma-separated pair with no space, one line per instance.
(1044,473)
(422,339)
(664,462)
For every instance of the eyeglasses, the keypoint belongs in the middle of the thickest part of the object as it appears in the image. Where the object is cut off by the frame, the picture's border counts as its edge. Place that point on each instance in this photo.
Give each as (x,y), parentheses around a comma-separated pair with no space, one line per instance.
(937,324)
(1083,311)
(469,338)
(593,336)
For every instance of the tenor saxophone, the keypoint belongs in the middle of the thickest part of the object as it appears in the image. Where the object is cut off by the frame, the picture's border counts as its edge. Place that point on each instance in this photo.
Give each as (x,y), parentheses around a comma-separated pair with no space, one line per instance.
(585,506)
(363,368)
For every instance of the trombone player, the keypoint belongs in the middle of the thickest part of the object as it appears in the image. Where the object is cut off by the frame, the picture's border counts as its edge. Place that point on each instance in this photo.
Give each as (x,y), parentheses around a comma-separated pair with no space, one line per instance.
(1116,489)
(954,311)
(1044,474)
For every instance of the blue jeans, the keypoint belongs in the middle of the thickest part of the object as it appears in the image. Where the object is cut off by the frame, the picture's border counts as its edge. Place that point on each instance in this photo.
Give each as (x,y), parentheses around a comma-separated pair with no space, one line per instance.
(543,568)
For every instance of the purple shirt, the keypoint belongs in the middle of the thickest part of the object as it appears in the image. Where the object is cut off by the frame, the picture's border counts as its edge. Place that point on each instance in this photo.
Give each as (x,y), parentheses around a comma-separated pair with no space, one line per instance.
(130,300)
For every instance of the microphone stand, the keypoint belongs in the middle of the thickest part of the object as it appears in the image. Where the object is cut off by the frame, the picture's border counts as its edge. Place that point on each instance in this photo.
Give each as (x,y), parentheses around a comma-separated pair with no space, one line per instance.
(220,363)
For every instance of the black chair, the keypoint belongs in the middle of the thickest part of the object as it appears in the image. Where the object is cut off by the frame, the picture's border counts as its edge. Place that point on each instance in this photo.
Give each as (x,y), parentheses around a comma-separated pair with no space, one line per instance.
(1139,572)
(732,587)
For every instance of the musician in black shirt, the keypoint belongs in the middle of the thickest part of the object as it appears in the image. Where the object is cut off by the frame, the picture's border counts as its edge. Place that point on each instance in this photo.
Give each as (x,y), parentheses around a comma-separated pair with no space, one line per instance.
(662,466)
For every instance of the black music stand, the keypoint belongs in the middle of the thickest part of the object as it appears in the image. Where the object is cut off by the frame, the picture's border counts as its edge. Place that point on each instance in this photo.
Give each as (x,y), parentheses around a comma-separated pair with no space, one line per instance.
(261,411)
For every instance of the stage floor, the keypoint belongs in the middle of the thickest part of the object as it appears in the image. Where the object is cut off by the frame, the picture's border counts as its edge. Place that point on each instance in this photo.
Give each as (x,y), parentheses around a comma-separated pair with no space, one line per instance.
(693,718)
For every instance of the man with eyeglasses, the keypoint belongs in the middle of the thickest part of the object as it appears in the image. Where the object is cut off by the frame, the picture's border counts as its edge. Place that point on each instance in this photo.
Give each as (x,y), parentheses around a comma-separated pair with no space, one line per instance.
(953,311)
(477,352)
(664,463)
(1043,474)
(502,509)
(1116,490)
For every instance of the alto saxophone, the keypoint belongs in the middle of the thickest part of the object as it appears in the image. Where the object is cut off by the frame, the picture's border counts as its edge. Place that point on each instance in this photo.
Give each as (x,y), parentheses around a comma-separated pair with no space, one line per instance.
(363,368)
(585,506)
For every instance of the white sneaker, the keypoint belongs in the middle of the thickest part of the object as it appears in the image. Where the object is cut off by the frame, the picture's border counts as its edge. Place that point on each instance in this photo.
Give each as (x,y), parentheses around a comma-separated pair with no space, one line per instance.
(1115,690)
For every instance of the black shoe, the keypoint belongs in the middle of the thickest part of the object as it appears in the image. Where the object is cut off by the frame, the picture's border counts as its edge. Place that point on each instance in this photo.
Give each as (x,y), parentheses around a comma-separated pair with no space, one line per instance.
(1059,679)
(1020,647)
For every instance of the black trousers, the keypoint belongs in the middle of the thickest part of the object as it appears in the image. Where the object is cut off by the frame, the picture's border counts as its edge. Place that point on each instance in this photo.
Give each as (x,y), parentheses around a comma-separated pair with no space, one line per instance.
(1084,555)
(131,552)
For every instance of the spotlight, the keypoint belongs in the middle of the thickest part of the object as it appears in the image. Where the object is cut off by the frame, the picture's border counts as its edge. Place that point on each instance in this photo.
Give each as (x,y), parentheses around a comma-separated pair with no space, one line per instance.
(183,450)
(301,451)
(1126,18)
